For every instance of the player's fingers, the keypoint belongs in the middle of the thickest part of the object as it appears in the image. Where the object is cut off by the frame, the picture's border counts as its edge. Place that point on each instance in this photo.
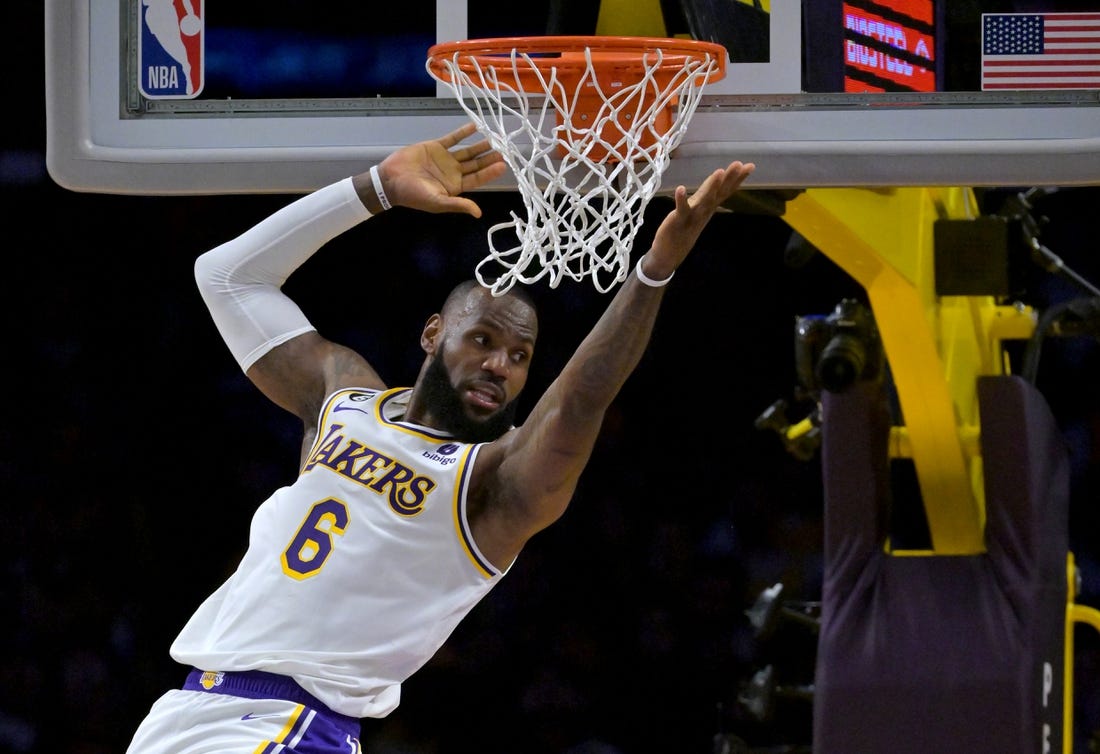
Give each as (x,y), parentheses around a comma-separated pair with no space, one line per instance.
(479,160)
(483,175)
(730,179)
(681,198)
(708,192)
(738,172)
(460,133)
(714,182)
(457,204)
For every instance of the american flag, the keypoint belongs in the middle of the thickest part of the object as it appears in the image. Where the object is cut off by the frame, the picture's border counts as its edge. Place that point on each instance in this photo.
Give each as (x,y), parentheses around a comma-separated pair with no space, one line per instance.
(1040,51)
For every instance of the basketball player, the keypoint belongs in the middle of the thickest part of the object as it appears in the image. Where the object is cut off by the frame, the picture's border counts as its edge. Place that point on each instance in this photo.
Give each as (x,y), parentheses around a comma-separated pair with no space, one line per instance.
(411,503)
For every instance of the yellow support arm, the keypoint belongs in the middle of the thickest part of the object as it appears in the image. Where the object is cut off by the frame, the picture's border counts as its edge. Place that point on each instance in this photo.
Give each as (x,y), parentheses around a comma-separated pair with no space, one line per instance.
(936,346)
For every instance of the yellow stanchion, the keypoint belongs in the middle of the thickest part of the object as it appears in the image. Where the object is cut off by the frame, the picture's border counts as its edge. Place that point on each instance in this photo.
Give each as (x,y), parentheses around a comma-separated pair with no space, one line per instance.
(937,346)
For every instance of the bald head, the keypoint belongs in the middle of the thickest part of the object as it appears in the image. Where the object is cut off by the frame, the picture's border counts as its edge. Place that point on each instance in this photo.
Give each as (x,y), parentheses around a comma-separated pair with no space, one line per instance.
(470,301)
(460,296)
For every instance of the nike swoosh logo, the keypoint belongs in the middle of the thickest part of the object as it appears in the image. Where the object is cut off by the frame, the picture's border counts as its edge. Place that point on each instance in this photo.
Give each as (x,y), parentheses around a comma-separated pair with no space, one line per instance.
(251,716)
(342,407)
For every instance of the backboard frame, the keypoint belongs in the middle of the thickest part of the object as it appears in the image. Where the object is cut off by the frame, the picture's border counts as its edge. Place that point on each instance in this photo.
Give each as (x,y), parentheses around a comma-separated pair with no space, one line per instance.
(757,114)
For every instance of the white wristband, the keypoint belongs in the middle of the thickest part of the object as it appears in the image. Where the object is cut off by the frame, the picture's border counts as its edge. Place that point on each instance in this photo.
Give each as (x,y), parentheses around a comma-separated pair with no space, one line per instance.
(377,181)
(648,280)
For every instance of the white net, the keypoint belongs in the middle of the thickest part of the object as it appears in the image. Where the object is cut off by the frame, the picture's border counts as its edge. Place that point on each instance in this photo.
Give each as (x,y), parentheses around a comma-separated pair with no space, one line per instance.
(587,153)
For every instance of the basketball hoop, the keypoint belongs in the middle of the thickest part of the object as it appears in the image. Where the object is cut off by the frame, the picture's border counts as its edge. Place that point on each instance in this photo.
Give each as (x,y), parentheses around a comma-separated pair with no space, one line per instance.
(620,105)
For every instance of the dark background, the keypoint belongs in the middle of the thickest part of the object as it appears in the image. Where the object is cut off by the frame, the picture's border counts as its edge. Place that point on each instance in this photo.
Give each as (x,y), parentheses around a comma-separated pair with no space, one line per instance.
(134,453)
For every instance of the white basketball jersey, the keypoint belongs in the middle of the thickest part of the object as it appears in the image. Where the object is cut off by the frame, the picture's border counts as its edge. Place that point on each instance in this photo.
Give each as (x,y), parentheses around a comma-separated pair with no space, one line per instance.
(357,572)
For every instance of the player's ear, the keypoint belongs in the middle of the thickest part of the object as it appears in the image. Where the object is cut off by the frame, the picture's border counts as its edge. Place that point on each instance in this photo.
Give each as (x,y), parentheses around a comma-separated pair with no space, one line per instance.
(429,336)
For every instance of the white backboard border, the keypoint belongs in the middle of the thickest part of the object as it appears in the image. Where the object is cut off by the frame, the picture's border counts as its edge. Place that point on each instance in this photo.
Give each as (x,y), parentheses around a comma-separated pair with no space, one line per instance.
(756,114)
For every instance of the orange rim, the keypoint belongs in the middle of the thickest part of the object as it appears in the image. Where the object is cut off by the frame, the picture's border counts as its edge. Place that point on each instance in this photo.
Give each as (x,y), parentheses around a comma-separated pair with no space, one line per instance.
(608,54)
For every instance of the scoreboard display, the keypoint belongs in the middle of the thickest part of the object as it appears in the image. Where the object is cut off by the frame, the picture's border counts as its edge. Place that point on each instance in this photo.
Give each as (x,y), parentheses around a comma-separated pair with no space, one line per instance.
(889,45)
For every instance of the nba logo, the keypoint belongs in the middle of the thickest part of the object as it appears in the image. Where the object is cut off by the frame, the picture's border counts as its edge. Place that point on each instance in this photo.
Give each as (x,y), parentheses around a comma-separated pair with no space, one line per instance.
(170,49)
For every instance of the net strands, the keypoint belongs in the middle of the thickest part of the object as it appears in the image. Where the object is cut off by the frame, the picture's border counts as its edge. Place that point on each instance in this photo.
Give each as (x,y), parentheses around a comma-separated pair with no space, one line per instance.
(587,160)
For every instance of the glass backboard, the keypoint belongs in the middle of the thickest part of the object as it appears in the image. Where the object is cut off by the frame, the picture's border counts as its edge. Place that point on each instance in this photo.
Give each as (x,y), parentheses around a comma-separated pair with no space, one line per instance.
(210,96)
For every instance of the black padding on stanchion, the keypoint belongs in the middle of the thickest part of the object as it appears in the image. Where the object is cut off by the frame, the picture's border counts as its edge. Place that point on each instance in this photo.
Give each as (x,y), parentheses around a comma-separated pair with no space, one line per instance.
(943,653)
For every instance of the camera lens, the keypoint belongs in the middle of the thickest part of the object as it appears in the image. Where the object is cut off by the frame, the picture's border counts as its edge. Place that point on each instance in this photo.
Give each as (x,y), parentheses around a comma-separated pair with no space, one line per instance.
(841,363)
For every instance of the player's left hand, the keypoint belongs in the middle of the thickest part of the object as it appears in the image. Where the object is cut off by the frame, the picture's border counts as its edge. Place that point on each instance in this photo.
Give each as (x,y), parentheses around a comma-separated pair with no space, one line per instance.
(680,230)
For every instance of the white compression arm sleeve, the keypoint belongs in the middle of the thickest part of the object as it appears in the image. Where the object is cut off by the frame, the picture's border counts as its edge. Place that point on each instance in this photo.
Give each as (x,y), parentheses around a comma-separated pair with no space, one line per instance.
(241,280)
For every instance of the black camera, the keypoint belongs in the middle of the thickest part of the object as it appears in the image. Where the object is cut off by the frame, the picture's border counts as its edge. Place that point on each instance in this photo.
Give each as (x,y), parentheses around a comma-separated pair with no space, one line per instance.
(834,351)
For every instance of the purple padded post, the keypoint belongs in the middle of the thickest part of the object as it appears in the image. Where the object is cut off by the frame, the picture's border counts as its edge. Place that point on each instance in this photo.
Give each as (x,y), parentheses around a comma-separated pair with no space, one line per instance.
(920,654)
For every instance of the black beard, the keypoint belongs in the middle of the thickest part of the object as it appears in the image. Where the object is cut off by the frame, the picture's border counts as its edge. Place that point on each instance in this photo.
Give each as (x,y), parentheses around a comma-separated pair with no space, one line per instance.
(445,405)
